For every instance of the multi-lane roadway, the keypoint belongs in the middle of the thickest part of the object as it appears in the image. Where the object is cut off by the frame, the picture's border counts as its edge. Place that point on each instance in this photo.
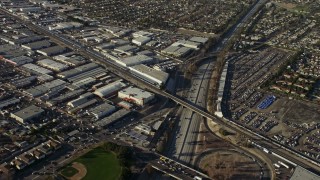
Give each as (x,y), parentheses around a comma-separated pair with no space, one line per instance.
(183,146)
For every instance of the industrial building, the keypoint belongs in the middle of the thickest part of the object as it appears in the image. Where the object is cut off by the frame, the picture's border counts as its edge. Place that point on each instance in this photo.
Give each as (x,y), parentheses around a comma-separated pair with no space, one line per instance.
(11,51)
(150,75)
(34,69)
(112,118)
(142,33)
(126,49)
(27,114)
(92,73)
(70,59)
(50,64)
(65,97)
(8,102)
(44,88)
(105,46)
(177,51)
(201,40)
(78,70)
(18,61)
(110,89)
(37,45)
(23,82)
(136,95)
(81,100)
(135,60)
(186,43)
(142,40)
(84,82)
(65,26)
(52,51)
(102,110)
(29,39)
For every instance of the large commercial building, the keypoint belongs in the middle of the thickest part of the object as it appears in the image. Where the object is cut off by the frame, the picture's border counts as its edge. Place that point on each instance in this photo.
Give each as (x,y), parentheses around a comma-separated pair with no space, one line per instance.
(52,51)
(142,40)
(18,61)
(136,95)
(110,89)
(27,114)
(65,26)
(158,78)
(50,64)
(78,70)
(81,100)
(102,110)
(37,45)
(112,118)
(135,60)
(36,69)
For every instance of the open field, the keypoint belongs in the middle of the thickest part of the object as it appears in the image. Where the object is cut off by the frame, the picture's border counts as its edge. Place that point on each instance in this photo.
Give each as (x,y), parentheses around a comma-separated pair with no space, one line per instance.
(99,165)
(224,164)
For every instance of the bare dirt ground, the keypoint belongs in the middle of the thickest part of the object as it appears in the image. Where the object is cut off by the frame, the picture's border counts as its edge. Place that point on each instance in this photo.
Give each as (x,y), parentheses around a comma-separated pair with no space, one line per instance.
(296,111)
(82,171)
(288,6)
(225,164)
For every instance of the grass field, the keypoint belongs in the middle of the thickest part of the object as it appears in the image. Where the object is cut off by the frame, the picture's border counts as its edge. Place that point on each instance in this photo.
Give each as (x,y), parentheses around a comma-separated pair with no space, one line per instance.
(101,165)
(69,171)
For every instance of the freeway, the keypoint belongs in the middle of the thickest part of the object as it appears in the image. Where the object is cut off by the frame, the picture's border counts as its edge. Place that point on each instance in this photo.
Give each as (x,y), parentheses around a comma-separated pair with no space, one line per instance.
(183,146)
(194,106)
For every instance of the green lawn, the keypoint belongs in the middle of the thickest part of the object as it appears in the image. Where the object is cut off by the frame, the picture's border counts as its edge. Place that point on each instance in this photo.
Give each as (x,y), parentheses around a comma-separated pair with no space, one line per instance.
(69,171)
(101,165)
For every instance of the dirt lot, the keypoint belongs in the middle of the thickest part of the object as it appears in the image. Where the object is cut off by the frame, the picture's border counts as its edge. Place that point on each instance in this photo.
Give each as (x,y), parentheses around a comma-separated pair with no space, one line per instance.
(296,111)
(226,164)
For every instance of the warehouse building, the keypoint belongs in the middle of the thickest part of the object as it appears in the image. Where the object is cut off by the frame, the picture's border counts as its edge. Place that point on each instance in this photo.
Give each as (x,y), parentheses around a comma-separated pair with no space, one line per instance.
(78,70)
(186,43)
(142,40)
(142,33)
(112,118)
(52,51)
(102,110)
(9,102)
(34,69)
(84,82)
(37,45)
(177,51)
(65,97)
(65,26)
(70,59)
(136,95)
(50,64)
(27,114)
(158,78)
(29,39)
(104,46)
(135,60)
(92,73)
(23,82)
(11,51)
(201,40)
(126,49)
(18,61)
(110,89)
(81,100)
(44,88)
